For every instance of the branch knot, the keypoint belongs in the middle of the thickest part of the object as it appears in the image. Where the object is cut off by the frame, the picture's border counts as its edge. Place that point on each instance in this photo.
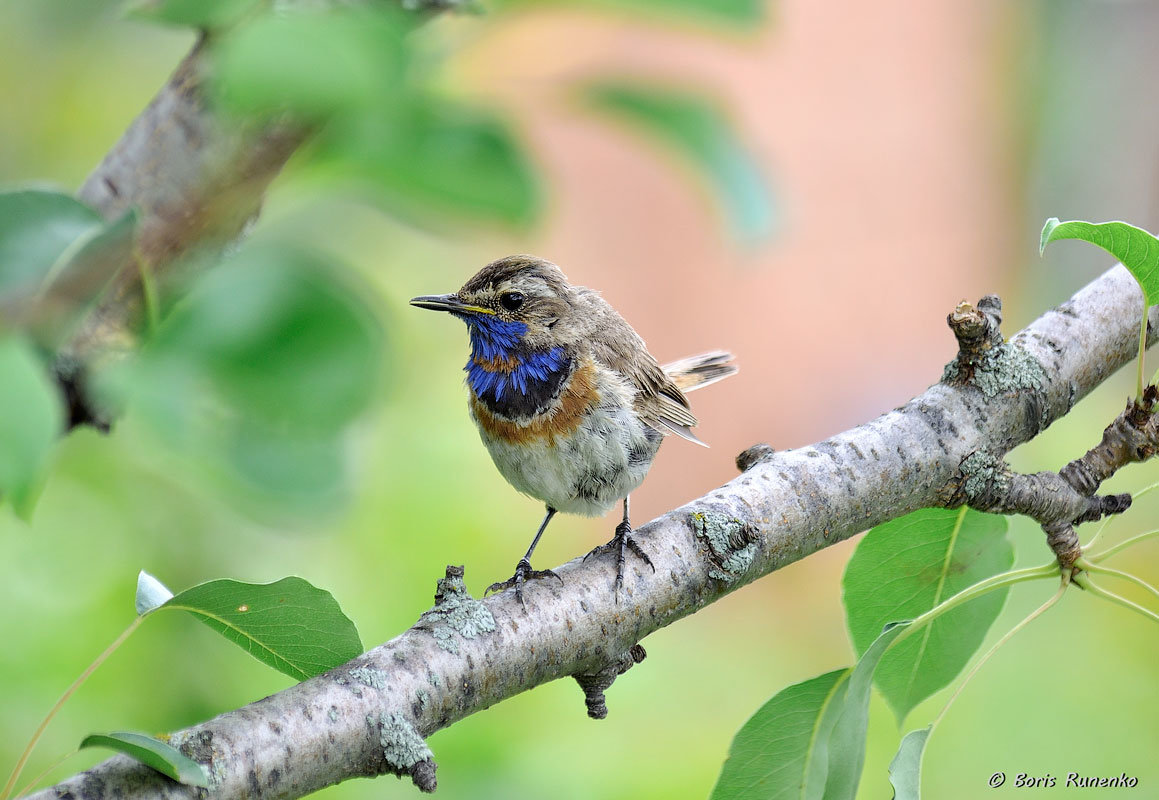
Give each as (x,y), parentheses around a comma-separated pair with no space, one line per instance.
(456,614)
(596,683)
(747,459)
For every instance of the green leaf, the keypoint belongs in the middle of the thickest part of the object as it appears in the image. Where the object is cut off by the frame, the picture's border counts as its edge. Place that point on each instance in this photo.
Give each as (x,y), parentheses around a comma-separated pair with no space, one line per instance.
(308,470)
(746,13)
(1137,249)
(206,14)
(428,157)
(151,593)
(742,12)
(78,279)
(31,420)
(904,568)
(847,742)
(697,130)
(278,337)
(290,625)
(781,753)
(258,375)
(152,753)
(314,62)
(808,742)
(905,771)
(36,228)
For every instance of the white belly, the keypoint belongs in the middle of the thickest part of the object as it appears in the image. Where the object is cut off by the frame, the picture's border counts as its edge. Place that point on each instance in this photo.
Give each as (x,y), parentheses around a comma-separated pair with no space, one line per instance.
(585,472)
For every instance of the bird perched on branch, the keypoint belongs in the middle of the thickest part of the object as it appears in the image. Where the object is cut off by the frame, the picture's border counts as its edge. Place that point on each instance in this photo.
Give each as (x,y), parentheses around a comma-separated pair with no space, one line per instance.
(567,399)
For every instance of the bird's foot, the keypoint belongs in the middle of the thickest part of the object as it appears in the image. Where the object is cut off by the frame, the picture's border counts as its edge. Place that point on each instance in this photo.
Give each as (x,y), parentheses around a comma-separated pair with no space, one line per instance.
(620,544)
(523,573)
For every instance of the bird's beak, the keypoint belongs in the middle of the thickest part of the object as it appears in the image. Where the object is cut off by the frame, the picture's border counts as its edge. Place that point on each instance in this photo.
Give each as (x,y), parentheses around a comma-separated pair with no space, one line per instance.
(447,302)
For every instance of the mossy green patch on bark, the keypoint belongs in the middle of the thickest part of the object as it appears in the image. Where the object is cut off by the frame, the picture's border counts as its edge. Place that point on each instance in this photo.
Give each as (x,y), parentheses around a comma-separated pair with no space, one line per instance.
(402,747)
(456,615)
(732,550)
(984,474)
(369,676)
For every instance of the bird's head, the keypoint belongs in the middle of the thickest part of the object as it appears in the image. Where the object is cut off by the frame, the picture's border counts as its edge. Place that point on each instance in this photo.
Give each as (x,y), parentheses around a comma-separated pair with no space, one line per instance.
(515,302)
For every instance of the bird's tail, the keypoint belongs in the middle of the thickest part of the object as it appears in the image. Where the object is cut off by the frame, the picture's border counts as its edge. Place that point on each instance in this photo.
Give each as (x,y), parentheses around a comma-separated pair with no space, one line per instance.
(696,371)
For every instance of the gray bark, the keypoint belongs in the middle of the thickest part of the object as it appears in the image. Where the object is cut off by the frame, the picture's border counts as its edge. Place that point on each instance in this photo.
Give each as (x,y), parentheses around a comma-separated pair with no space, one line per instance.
(370,716)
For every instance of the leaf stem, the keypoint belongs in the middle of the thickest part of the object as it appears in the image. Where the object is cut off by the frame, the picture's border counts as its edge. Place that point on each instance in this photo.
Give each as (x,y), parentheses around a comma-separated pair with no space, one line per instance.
(32,783)
(977,590)
(1033,615)
(1142,350)
(6,792)
(1113,549)
(1127,576)
(1085,581)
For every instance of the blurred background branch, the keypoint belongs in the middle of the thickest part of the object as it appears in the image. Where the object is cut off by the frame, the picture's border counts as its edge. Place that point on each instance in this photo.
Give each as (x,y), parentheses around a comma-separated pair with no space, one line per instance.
(194,180)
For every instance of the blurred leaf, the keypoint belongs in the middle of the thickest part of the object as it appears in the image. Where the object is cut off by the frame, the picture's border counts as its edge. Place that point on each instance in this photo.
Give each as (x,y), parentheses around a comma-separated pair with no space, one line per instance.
(733,12)
(31,420)
(905,771)
(290,625)
(259,371)
(78,279)
(308,469)
(847,742)
(151,593)
(781,753)
(907,566)
(1137,249)
(209,14)
(36,228)
(727,11)
(432,156)
(152,753)
(700,132)
(277,337)
(312,62)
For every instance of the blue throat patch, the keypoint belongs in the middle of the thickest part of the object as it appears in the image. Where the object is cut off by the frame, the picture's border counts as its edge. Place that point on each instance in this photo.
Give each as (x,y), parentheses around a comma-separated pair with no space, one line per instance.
(491,337)
(526,389)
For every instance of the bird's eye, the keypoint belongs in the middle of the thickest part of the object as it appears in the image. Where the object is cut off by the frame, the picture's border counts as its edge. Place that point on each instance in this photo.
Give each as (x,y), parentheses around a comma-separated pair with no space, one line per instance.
(511,300)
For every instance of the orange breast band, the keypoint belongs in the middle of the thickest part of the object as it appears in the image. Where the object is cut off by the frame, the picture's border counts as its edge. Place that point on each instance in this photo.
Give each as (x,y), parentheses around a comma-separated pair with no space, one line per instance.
(577,397)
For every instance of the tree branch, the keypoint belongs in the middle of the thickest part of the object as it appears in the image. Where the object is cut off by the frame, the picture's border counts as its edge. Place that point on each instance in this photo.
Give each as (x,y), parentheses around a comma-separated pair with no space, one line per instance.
(1056,500)
(370,716)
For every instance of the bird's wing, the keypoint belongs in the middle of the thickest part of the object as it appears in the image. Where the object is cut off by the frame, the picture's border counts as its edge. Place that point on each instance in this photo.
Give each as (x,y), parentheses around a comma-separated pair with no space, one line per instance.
(658,401)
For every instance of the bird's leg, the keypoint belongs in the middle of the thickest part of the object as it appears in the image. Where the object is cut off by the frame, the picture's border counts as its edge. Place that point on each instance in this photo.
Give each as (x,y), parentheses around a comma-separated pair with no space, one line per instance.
(621,543)
(523,570)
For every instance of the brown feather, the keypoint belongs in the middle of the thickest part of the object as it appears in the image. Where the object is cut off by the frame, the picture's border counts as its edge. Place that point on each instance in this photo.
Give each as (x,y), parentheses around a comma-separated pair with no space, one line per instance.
(590,323)
(575,401)
(659,400)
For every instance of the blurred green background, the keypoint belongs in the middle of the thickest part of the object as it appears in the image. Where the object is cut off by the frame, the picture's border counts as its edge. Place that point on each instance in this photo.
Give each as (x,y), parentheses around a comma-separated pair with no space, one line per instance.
(914,150)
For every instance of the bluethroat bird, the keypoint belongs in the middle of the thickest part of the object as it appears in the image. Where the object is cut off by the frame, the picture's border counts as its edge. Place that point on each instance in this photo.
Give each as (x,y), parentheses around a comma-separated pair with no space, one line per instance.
(567,399)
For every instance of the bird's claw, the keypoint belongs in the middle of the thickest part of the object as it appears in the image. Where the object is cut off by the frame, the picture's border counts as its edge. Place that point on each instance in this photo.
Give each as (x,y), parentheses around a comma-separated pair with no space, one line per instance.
(620,544)
(523,573)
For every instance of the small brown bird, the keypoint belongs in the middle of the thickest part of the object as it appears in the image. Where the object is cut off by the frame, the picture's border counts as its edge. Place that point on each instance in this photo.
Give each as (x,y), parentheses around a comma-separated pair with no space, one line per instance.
(567,398)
